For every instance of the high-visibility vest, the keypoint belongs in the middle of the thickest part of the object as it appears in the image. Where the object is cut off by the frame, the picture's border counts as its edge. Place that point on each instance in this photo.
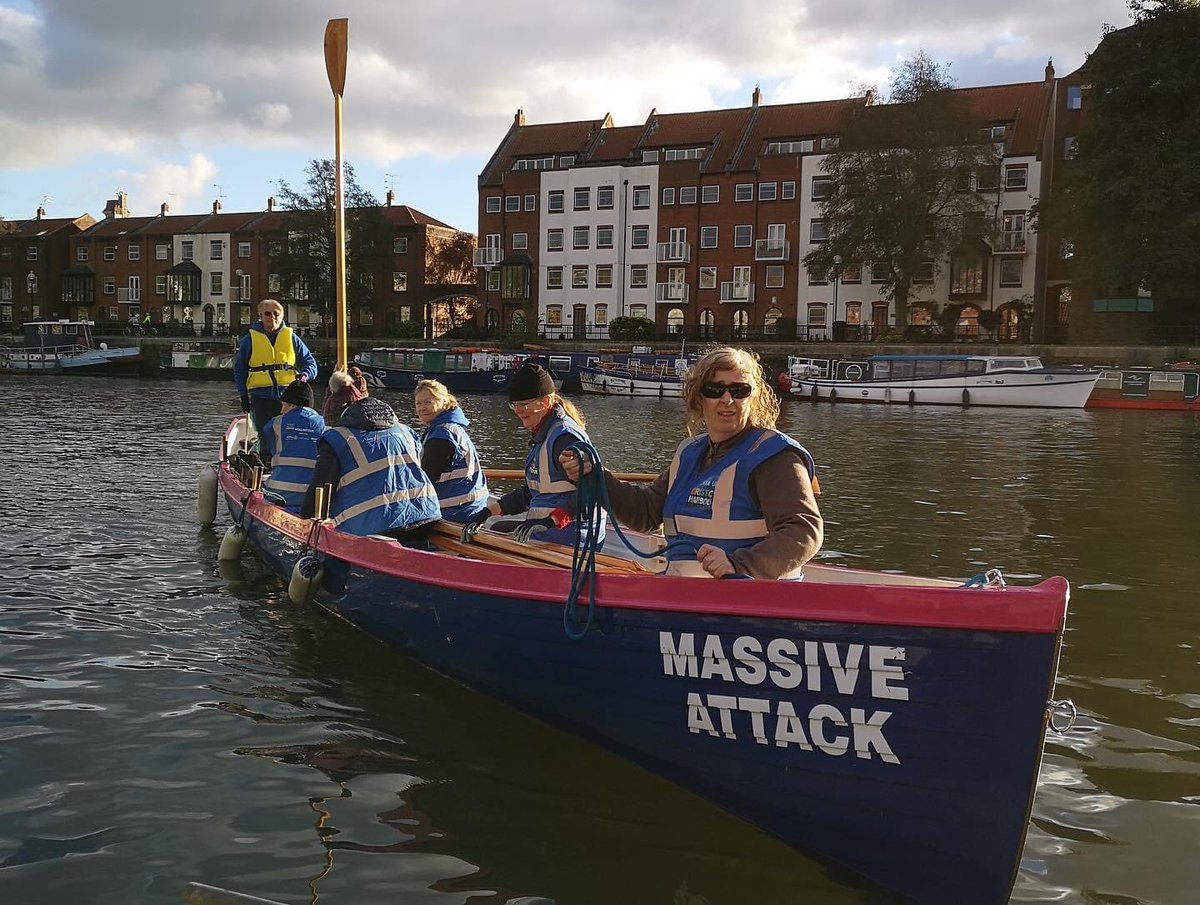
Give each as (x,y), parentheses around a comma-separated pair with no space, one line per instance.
(291,444)
(271,364)
(382,486)
(462,490)
(548,482)
(714,505)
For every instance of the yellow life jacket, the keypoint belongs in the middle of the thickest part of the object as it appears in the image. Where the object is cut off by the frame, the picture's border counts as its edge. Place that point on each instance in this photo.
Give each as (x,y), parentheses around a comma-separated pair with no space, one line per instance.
(271,365)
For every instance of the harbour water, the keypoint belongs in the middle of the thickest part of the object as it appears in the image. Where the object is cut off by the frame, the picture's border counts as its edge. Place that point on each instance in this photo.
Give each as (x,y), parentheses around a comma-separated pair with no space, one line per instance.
(166,719)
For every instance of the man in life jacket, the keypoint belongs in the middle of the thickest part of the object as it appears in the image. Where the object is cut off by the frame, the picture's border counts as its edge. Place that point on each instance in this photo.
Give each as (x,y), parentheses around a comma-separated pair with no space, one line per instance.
(289,444)
(271,356)
(373,463)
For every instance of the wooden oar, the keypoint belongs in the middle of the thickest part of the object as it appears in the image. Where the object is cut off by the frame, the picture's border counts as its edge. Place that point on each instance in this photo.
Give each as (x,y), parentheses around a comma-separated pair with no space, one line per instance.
(533,553)
(335,68)
(515,474)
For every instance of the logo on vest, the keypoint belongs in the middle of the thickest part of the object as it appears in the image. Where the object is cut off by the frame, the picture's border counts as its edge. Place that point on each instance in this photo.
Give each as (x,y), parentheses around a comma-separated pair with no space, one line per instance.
(702,495)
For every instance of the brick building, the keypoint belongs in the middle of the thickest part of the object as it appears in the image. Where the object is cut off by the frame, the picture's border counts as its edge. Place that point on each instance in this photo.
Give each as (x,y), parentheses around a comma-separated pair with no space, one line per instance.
(33,253)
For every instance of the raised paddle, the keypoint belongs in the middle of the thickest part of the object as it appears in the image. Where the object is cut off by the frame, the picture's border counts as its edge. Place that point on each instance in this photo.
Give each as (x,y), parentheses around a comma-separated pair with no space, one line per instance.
(335,67)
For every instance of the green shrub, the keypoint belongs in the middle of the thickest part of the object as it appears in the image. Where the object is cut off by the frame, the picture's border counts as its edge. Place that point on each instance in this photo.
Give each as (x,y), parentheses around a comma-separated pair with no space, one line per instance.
(626,329)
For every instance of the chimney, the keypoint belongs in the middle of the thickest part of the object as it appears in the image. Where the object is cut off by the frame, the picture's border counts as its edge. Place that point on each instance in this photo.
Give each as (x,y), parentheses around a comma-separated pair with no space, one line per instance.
(41,212)
(164,209)
(271,203)
(519,119)
(391,198)
(756,97)
(216,207)
(1050,70)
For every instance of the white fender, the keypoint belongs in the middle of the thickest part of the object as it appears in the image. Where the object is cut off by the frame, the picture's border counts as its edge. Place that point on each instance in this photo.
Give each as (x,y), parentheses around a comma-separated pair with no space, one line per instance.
(306,577)
(232,543)
(206,495)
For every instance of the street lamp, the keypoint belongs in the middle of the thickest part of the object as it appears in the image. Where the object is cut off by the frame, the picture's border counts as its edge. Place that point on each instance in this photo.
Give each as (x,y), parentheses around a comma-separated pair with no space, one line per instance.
(837,279)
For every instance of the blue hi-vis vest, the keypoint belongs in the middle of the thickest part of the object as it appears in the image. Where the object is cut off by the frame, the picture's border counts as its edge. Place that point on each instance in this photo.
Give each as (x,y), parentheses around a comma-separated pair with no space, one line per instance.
(290,442)
(714,505)
(462,491)
(549,484)
(382,486)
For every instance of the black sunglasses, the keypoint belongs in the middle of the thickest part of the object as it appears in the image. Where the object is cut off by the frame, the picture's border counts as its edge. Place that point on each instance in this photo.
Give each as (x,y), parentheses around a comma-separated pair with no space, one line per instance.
(717,390)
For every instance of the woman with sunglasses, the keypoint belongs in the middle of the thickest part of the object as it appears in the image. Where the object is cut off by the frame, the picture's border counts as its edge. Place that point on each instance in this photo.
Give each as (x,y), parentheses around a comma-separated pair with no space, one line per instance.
(548,497)
(739,496)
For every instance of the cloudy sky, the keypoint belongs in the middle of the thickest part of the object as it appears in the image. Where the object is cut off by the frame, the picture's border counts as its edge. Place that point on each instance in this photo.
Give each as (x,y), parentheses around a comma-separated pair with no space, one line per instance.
(186,102)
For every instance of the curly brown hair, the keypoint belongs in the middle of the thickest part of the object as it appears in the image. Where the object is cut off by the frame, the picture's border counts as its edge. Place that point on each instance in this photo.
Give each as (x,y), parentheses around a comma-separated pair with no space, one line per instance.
(764,405)
(443,400)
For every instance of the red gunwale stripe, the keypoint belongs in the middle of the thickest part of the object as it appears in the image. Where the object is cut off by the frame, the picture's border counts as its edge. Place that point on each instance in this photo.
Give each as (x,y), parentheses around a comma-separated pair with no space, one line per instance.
(1040,609)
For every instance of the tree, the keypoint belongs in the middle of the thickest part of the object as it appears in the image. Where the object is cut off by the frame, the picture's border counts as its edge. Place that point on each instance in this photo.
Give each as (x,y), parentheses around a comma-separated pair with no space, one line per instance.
(305,252)
(449,260)
(896,178)
(1129,200)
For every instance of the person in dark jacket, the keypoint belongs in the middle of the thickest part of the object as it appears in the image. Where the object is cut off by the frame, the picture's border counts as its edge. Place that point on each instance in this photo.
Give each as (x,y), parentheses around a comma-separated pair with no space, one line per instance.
(270,356)
(448,455)
(289,444)
(342,392)
(373,463)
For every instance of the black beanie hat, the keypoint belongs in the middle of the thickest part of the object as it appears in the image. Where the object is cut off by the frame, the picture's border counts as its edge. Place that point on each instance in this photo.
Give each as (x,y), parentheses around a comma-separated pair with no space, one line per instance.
(531,381)
(298,393)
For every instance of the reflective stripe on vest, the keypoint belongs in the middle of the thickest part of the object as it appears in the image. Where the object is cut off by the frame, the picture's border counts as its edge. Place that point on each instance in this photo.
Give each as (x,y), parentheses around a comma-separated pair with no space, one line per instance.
(464,485)
(400,496)
(548,483)
(292,439)
(271,364)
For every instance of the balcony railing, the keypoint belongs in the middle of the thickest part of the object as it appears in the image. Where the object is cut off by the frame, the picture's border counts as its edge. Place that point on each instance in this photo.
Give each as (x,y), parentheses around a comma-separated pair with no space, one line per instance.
(127,296)
(488,256)
(674,252)
(671,292)
(1011,242)
(737,292)
(771,250)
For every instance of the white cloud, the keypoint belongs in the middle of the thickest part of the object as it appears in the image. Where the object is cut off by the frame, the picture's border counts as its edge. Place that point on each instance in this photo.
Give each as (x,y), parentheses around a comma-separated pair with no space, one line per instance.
(184,186)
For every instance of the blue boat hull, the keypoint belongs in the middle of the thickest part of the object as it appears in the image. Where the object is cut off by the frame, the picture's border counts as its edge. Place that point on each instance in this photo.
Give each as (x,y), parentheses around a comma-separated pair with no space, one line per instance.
(455,381)
(908,753)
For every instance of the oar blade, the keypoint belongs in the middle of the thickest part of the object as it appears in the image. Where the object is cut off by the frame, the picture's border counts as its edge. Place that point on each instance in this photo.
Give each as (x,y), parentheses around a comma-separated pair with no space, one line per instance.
(335,54)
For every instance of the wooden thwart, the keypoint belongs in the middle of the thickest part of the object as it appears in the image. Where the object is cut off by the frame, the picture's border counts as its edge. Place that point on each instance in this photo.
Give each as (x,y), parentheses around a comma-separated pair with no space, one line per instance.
(490,545)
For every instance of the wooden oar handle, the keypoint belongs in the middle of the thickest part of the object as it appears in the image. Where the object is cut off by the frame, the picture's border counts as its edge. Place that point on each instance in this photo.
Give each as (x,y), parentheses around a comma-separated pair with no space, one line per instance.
(515,474)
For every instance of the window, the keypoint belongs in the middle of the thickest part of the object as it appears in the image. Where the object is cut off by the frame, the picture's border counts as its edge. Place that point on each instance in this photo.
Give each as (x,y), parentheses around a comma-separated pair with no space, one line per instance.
(771,319)
(31,253)
(1011,271)
(601,312)
(675,321)
(637,276)
(818,231)
(554,315)
(514,281)
(554,277)
(817,278)
(852,274)
(583,198)
(641,197)
(110,285)
(1016,177)
(708,237)
(273,283)
(987,179)
(743,191)
(160,284)
(493,281)
(925,272)
(554,240)
(743,236)
(534,163)
(803,146)
(579,276)
(650,157)
(683,154)
(687,194)
(637,310)
(31,284)
(821,187)
(186,251)
(554,201)
(774,276)
(520,241)
(493,204)
(830,143)
(243,250)
(530,202)
(604,276)
(707,321)
(710,194)
(789,191)
(668,196)
(816,315)
(512,204)
(81,253)
(1074,97)
(853,313)
(708,278)
(216,283)
(881,272)
(110,252)
(604,197)
(604,236)
(1012,231)
(767,191)
(581,237)
(162,252)
(640,237)
(399,281)
(216,250)
(966,275)
(566,160)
